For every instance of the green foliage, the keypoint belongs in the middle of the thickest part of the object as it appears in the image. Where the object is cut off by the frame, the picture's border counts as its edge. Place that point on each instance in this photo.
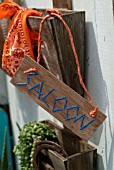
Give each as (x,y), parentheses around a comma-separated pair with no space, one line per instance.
(29,135)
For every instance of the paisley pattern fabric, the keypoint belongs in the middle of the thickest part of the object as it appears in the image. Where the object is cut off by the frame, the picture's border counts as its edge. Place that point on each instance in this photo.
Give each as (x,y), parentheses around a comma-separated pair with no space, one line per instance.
(20,37)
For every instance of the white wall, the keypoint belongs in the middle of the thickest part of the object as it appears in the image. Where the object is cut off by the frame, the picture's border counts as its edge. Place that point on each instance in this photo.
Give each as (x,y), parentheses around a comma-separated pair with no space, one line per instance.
(37,3)
(100,72)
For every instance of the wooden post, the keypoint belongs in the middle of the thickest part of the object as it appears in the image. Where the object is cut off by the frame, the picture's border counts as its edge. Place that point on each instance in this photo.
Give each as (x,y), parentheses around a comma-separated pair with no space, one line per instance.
(56,41)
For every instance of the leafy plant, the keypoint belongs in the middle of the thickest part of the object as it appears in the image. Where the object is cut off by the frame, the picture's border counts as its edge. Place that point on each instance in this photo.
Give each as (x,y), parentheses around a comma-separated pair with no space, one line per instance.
(29,135)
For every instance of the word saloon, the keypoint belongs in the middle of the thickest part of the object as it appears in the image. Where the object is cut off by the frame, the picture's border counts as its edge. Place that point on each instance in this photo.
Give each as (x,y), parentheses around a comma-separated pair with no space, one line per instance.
(58,99)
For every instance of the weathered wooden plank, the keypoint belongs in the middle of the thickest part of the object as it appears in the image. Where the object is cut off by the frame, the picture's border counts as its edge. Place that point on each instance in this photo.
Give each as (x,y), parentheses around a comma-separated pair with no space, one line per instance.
(58,99)
(76,23)
(46,166)
(58,161)
(82,158)
(68,141)
(62,4)
(81,161)
(56,40)
(62,59)
(48,60)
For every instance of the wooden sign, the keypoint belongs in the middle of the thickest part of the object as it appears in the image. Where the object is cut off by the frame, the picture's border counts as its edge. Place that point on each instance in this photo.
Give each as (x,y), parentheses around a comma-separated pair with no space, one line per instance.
(67,4)
(57,98)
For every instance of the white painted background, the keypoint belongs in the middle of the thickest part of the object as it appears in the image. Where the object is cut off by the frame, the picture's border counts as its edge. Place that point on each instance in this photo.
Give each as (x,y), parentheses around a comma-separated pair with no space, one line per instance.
(100,71)
(99,77)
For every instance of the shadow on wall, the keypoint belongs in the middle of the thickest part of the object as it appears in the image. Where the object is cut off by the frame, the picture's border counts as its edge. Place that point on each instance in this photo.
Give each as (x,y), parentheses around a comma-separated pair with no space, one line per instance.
(98,90)
(94,79)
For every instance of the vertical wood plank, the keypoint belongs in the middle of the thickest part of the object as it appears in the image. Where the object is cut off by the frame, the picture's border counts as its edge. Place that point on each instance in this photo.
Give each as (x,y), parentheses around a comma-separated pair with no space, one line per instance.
(62,4)
(56,41)
(76,23)
(49,54)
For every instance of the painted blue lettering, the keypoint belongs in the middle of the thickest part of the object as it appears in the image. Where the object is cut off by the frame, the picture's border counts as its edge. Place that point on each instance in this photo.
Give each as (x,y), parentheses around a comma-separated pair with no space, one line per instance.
(31,74)
(38,91)
(55,101)
(70,108)
(82,127)
(21,84)
(44,98)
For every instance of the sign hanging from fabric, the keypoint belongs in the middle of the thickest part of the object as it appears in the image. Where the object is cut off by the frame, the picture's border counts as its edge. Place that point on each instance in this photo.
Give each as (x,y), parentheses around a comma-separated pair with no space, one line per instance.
(57,98)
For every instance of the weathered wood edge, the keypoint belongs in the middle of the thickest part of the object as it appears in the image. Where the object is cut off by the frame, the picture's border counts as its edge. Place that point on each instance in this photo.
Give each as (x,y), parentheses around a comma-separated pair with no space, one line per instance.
(100,116)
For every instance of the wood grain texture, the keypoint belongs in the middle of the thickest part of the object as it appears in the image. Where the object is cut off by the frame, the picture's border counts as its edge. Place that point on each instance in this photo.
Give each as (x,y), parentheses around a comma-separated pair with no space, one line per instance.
(62,4)
(61,89)
(46,166)
(76,23)
(84,158)
(58,161)
(48,60)
(56,42)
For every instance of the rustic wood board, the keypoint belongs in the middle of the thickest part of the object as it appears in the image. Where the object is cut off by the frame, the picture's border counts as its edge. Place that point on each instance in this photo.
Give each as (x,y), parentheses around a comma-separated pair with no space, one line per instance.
(47,60)
(58,99)
(46,166)
(76,23)
(58,161)
(82,158)
(81,161)
(56,40)
(62,59)
(67,4)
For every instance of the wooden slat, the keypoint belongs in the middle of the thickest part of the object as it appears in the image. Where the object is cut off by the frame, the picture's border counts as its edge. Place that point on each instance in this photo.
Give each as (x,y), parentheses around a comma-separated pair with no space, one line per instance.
(58,161)
(56,41)
(62,59)
(76,23)
(62,4)
(48,61)
(82,161)
(46,166)
(61,89)
(82,158)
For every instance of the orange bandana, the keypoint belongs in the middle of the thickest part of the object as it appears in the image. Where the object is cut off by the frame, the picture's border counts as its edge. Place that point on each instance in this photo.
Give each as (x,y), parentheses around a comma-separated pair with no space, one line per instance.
(20,36)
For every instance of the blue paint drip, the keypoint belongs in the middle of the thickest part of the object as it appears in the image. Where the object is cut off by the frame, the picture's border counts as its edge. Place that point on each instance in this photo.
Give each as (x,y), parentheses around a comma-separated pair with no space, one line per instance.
(44,98)
(33,73)
(21,84)
(59,109)
(81,125)
(72,117)
(40,91)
